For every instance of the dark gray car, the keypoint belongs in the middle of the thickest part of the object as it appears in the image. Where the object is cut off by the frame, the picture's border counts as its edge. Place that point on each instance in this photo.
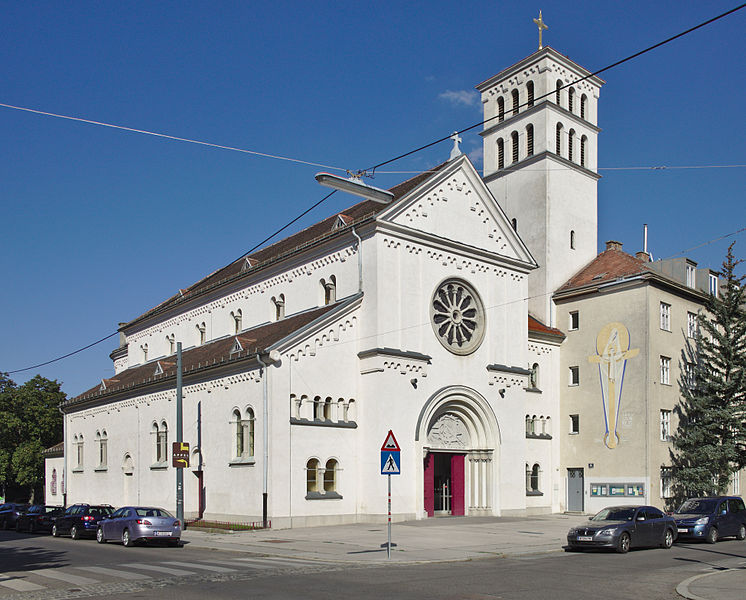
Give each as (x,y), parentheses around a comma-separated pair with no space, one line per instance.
(131,524)
(624,527)
(712,518)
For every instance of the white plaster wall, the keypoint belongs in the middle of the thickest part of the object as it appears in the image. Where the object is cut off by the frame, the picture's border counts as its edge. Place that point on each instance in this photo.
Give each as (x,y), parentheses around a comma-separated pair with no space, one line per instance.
(52,496)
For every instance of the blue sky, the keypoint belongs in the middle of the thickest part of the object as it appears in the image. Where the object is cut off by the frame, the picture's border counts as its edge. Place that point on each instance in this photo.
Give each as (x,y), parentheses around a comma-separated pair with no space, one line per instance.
(99,224)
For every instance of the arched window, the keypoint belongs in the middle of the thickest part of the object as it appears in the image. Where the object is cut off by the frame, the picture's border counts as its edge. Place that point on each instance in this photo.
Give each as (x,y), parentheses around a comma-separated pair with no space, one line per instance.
(318,408)
(53,484)
(500,154)
(237,318)
(128,465)
(534,377)
(583,142)
(529,140)
(572,239)
(570,98)
(144,349)
(514,223)
(514,140)
(312,475)
(570,141)
(330,476)
(530,92)
(244,433)
(171,341)
(279,304)
(78,443)
(102,441)
(201,333)
(161,442)
(535,472)
(583,101)
(329,290)
(557,93)
(529,425)
(558,140)
(500,109)
(327,414)
(516,101)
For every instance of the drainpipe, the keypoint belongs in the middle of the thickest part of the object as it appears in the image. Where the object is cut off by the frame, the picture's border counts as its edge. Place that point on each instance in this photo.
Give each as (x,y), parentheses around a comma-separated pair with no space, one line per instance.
(265,452)
(359,260)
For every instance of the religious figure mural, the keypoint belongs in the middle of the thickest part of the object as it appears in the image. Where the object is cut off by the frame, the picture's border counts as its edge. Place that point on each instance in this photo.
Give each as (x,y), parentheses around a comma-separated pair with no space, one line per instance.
(612,353)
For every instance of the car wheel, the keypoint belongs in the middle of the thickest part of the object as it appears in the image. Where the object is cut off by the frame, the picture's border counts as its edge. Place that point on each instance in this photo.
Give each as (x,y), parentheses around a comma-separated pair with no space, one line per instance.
(741,535)
(624,543)
(712,535)
(667,540)
(100,536)
(126,539)
(55,531)
(74,532)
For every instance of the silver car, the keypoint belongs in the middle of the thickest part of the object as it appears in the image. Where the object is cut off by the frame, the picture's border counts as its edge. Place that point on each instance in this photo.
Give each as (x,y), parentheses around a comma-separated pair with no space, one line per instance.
(131,524)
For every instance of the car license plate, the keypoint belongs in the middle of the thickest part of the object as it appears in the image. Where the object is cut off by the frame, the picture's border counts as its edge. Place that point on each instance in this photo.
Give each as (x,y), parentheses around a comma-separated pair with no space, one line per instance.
(585,538)
(683,530)
(162,533)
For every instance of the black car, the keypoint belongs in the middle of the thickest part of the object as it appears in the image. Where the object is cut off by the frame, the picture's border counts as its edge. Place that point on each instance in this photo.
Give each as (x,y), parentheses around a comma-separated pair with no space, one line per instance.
(39,518)
(80,520)
(624,527)
(711,518)
(9,514)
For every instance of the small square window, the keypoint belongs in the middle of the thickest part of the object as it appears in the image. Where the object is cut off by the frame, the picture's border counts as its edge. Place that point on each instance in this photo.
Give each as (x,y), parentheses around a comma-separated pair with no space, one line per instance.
(574,320)
(574,424)
(574,376)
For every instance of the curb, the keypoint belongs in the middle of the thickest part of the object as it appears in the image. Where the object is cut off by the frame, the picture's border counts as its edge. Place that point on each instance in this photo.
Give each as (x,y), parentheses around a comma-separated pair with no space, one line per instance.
(683,588)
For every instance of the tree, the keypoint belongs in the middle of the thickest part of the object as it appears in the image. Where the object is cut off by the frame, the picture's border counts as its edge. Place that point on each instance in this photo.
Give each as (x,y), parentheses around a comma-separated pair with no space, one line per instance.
(710,442)
(29,422)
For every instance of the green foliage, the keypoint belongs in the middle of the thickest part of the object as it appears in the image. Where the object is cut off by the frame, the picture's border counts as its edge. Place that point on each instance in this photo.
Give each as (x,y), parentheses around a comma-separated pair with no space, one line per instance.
(29,422)
(710,443)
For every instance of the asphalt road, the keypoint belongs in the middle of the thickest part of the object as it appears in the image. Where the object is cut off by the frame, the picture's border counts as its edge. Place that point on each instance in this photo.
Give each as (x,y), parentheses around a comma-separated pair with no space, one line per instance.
(112,571)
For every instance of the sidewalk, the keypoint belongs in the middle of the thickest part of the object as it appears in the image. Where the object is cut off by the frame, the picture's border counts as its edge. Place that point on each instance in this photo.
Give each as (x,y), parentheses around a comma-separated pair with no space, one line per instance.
(440,540)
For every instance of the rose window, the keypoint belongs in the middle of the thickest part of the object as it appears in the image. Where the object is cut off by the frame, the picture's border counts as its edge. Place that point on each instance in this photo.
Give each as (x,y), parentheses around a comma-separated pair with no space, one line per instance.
(457,316)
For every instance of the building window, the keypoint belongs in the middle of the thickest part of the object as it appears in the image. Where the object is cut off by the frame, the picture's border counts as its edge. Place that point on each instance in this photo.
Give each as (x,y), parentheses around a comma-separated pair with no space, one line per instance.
(530,91)
(171,340)
(514,140)
(516,101)
(574,320)
(327,411)
(312,475)
(666,482)
(318,408)
(532,478)
(500,154)
(714,285)
(557,94)
(583,141)
(533,378)
(144,349)
(237,318)
(53,483)
(500,109)
(161,442)
(574,375)
(329,289)
(736,483)
(665,370)
(514,223)
(570,142)
(102,442)
(244,433)
(330,476)
(690,375)
(583,101)
(78,444)
(201,334)
(691,276)
(665,425)
(279,304)
(530,424)
(558,140)
(529,140)
(665,316)
(574,424)
(572,239)
(691,324)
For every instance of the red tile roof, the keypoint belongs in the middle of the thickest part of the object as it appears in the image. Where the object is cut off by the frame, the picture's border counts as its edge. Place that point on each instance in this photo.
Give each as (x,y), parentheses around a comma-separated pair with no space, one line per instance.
(536,326)
(315,233)
(608,266)
(253,341)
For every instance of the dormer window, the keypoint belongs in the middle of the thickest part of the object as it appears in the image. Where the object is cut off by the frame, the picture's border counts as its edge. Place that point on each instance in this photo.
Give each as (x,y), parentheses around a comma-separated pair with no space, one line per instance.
(329,289)
(691,276)
(201,333)
(237,318)
(279,304)
(171,340)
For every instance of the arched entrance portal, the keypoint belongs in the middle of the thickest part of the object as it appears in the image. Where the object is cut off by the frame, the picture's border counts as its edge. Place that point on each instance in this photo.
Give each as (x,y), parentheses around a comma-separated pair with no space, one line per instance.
(459,435)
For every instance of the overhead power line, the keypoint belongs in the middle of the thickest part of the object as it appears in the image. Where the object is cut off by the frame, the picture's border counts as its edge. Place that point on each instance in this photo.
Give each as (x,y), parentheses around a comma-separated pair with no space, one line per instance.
(49,362)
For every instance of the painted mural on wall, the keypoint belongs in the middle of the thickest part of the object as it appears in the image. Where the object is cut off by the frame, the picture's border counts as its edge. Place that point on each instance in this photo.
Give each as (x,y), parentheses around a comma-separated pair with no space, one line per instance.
(612,353)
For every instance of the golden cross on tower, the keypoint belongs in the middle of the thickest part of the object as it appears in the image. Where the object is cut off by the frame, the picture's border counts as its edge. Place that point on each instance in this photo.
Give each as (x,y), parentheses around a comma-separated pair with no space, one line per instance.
(540,24)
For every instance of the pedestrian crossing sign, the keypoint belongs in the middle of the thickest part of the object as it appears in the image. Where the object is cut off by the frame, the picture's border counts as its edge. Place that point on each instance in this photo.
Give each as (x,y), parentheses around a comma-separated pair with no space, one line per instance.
(390,462)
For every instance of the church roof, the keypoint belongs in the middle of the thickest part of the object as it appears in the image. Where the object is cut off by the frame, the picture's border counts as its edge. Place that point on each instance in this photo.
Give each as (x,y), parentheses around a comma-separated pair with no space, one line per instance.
(213,354)
(538,328)
(54,451)
(319,232)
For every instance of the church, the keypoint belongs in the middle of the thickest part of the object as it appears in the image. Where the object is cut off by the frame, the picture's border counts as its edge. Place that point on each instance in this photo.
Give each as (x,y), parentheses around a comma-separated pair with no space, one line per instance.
(427,310)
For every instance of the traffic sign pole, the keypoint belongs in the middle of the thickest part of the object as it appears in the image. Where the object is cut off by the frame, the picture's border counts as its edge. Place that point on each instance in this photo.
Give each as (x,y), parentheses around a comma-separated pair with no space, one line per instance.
(388,546)
(179,434)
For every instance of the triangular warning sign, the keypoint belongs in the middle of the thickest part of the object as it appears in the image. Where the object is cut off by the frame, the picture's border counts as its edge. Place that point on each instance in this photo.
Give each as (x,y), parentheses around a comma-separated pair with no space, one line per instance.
(390,443)
(390,466)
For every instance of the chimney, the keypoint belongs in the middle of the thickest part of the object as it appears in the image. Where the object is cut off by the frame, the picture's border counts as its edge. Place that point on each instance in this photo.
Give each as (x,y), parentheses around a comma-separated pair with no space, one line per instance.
(122,336)
(643,256)
(613,245)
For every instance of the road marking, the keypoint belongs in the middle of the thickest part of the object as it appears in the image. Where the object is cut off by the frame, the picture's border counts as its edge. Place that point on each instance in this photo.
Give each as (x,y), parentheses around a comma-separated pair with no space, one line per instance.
(62,576)
(19,585)
(159,569)
(196,566)
(115,573)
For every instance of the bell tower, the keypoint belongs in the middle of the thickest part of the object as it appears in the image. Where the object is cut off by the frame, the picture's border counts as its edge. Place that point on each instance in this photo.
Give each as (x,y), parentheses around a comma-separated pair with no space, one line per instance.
(540,162)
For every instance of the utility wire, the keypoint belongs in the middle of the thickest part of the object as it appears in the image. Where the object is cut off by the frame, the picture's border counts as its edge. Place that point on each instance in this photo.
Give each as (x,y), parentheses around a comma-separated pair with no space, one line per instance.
(599,71)
(49,362)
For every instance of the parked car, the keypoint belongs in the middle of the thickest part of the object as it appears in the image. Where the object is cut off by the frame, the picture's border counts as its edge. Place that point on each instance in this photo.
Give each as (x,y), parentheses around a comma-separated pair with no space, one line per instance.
(38,518)
(131,524)
(9,514)
(710,519)
(624,527)
(80,520)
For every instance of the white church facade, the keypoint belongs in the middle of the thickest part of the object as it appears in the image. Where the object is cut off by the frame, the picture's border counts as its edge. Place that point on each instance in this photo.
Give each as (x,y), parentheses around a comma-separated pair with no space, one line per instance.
(434,315)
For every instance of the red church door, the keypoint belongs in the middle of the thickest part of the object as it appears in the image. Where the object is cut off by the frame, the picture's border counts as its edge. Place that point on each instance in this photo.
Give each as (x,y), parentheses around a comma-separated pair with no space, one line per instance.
(457,485)
(429,484)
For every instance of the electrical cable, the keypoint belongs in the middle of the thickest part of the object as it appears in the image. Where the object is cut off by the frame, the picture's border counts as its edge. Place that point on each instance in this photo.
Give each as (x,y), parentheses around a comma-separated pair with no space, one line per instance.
(49,362)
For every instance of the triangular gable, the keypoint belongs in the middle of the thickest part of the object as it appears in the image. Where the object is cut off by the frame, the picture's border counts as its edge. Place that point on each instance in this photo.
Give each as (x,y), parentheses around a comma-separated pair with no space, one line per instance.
(455,204)
(158,369)
(237,347)
(342,221)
